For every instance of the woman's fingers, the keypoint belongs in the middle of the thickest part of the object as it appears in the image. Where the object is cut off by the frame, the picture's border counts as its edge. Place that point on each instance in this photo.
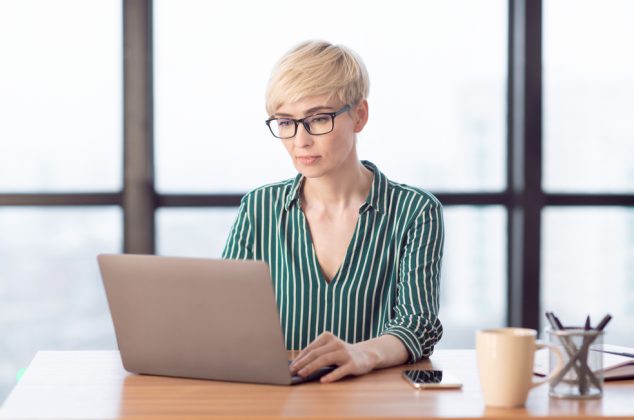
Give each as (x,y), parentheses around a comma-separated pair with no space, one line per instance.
(337,357)
(314,355)
(337,374)
(322,340)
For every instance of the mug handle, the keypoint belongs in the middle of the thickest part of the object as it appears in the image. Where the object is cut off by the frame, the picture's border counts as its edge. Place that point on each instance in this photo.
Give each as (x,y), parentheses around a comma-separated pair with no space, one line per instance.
(560,363)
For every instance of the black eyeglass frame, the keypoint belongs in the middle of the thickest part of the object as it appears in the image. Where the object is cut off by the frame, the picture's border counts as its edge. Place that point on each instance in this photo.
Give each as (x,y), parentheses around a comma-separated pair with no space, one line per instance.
(346,108)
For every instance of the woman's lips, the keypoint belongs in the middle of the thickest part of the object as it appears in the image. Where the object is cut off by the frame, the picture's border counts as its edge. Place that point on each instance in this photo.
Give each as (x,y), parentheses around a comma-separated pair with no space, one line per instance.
(307,160)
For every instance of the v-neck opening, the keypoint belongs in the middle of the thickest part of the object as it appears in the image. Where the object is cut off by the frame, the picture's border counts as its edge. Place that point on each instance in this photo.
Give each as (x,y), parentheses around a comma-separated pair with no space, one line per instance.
(316,263)
(369,201)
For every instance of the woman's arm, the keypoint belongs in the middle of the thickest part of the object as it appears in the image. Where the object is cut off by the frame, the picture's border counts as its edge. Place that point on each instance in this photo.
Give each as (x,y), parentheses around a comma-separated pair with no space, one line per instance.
(415,319)
(239,245)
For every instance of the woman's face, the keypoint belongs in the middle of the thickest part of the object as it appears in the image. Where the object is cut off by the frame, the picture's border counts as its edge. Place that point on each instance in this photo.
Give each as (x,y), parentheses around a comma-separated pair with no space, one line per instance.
(318,155)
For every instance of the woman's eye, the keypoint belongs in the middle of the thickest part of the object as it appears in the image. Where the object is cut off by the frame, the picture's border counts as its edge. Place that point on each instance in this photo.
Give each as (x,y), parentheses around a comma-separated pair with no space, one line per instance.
(284,123)
(320,119)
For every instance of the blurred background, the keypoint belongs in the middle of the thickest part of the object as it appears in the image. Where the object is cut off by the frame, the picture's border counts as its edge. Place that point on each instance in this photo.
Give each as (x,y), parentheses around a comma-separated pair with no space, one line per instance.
(442,104)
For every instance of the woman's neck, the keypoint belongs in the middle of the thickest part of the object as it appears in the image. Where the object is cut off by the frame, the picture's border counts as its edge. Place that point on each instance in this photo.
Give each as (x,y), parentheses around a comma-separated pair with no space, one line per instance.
(349,187)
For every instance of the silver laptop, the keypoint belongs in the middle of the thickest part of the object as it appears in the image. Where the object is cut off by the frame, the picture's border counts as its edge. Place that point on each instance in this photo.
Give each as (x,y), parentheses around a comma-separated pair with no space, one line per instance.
(197,318)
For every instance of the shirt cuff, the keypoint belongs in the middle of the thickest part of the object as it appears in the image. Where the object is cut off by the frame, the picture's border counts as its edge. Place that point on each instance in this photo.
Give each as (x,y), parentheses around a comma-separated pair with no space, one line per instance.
(409,339)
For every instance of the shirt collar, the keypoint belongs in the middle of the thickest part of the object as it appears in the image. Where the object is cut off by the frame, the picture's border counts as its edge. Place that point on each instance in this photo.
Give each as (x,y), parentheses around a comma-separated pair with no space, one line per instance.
(293,194)
(377,198)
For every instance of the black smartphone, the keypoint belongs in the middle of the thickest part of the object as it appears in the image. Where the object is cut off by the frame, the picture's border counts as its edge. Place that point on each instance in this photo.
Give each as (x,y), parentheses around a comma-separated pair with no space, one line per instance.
(430,379)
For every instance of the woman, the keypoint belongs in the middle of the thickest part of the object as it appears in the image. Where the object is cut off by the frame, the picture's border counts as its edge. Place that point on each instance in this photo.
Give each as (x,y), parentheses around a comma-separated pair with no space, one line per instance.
(355,258)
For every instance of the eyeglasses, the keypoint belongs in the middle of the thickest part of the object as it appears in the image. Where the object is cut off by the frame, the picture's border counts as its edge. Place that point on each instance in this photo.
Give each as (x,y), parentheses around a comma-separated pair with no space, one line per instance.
(318,124)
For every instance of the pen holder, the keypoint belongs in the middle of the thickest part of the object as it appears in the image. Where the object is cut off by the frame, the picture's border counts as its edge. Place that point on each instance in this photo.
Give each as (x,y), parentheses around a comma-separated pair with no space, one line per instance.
(582,374)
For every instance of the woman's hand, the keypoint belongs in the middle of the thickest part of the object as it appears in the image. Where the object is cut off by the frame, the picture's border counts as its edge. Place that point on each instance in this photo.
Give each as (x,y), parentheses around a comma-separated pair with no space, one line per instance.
(327,349)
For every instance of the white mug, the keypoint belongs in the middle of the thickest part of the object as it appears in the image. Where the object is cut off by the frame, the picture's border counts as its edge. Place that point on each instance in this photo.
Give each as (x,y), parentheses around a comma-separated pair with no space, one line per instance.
(505,364)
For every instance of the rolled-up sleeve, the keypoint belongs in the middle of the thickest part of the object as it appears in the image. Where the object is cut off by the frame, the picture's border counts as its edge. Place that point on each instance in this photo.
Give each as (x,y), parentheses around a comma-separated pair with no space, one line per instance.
(239,245)
(415,315)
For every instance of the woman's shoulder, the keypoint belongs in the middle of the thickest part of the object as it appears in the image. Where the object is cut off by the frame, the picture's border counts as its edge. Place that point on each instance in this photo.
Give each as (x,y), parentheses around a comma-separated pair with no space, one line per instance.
(390,194)
(411,199)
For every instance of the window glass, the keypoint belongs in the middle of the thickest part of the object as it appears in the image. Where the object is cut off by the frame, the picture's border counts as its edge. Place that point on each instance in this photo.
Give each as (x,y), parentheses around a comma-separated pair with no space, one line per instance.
(193,232)
(588,267)
(60,95)
(437,96)
(588,91)
(473,283)
(51,293)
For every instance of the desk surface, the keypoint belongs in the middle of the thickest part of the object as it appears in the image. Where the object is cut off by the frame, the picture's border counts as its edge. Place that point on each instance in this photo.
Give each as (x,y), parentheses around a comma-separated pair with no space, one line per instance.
(93,385)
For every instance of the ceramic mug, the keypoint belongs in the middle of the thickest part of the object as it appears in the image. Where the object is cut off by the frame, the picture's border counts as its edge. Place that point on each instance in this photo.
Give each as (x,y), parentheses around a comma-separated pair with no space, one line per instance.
(505,365)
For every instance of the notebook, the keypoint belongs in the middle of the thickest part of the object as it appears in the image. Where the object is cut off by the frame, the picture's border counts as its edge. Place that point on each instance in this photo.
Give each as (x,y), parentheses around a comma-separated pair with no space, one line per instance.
(197,318)
(618,362)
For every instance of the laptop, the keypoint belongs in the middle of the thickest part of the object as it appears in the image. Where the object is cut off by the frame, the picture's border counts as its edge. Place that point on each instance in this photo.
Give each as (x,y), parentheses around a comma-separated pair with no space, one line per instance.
(197,318)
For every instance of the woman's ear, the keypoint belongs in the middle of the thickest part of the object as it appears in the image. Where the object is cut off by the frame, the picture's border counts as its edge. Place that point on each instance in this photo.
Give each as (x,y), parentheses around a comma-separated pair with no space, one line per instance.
(360,115)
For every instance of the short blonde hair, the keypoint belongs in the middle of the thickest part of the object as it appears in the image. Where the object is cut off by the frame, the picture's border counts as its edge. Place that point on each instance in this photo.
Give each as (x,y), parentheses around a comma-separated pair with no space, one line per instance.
(316,68)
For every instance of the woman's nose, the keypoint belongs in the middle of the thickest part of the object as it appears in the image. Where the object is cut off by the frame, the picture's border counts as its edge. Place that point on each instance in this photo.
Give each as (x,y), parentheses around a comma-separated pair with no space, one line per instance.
(303,137)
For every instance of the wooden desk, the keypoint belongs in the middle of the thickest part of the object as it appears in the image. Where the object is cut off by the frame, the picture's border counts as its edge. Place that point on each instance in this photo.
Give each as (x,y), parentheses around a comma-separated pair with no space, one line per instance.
(93,385)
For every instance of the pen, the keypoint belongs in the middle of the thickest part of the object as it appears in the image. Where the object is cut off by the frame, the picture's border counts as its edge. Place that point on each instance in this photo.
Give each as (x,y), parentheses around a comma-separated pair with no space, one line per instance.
(583,358)
(604,322)
(557,321)
(551,321)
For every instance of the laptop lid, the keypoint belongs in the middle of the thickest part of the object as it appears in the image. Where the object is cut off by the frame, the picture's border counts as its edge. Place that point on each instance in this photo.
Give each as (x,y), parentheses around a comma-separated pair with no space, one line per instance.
(197,318)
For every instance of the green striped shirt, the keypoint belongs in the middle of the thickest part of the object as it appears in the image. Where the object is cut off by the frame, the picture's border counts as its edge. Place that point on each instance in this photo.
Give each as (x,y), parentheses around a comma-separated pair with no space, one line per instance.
(388,282)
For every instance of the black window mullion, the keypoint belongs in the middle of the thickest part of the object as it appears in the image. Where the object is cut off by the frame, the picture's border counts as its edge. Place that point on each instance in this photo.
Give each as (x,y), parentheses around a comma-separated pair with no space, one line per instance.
(138,192)
(61,199)
(524,162)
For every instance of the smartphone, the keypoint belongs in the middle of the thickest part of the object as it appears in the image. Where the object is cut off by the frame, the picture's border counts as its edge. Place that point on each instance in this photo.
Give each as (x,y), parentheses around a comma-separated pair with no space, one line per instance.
(430,379)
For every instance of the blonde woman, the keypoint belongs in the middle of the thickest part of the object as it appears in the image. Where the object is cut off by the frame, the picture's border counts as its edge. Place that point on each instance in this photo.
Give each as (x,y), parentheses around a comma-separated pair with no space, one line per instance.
(355,257)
